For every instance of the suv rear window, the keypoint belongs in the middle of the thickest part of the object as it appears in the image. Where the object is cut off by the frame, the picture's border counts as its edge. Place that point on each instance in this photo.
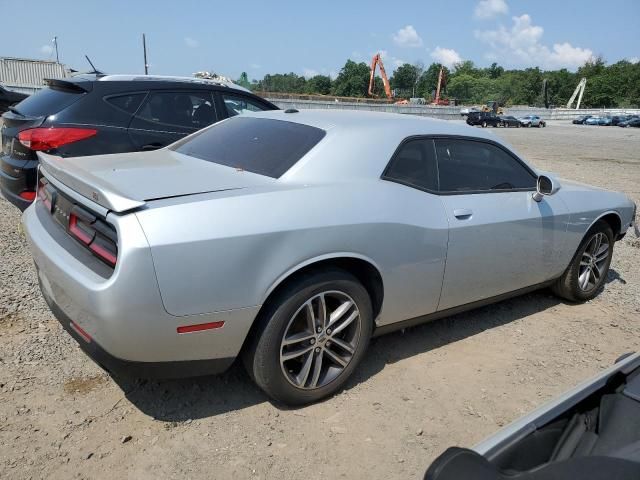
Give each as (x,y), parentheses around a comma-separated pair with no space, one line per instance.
(259,145)
(48,101)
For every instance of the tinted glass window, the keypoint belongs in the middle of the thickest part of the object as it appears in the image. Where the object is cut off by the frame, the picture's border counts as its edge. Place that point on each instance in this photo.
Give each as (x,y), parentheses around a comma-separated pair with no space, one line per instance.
(128,103)
(237,104)
(414,164)
(259,145)
(48,101)
(192,110)
(466,165)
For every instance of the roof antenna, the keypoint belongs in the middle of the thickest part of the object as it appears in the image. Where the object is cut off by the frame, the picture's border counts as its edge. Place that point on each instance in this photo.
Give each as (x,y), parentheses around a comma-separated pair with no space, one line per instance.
(95,70)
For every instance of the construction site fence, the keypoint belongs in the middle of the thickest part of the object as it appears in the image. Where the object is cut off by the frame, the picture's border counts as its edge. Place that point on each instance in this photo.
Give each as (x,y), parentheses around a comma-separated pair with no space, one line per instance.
(447,113)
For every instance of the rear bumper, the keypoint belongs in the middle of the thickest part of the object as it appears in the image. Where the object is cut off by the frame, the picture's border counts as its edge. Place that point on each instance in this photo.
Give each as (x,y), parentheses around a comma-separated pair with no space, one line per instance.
(123,313)
(16,179)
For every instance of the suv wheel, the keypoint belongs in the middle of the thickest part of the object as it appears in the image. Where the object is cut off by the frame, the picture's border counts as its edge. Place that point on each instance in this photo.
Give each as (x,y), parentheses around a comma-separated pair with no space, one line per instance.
(484,124)
(311,337)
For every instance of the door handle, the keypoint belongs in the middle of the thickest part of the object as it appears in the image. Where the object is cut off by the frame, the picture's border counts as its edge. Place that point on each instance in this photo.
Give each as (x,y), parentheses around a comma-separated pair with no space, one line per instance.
(151,146)
(462,213)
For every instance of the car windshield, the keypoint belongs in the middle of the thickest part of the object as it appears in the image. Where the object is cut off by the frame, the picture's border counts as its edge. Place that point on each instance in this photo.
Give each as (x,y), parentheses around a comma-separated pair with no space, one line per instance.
(259,145)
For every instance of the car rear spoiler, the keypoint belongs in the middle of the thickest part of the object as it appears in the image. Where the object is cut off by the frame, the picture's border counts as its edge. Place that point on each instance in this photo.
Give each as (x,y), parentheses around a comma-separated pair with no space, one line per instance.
(86,185)
(63,84)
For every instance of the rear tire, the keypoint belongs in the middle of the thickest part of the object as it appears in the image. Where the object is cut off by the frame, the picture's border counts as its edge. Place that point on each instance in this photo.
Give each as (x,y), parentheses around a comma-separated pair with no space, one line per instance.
(273,357)
(484,124)
(589,267)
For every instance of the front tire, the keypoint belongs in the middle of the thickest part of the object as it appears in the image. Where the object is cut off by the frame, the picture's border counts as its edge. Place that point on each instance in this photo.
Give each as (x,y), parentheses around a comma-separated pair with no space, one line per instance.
(311,337)
(588,269)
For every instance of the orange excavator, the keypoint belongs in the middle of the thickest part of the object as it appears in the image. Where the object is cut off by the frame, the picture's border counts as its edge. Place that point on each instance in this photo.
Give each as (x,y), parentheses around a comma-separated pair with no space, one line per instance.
(442,84)
(375,61)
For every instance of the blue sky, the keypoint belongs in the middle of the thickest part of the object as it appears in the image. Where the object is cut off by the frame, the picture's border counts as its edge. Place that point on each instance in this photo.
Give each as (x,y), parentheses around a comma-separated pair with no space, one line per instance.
(269,37)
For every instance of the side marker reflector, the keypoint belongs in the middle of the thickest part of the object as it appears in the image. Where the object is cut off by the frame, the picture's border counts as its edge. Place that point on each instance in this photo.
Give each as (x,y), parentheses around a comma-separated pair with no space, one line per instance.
(200,327)
(85,336)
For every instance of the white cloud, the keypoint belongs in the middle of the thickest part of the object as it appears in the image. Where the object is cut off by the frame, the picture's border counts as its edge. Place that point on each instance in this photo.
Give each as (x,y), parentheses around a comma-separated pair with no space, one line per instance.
(491,8)
(407,37)
(255,66)
(634,59)
(46,49)
(446,56)
(191,42)
(522,45)
(390,62)
(309,72)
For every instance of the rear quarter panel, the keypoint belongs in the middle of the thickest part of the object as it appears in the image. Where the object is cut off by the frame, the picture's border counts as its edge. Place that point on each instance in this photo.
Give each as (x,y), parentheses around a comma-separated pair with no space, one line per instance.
(229,250)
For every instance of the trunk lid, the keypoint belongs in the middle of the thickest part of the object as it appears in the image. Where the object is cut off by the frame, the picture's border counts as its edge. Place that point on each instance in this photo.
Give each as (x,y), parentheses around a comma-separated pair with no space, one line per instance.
(121,182)
(12,124)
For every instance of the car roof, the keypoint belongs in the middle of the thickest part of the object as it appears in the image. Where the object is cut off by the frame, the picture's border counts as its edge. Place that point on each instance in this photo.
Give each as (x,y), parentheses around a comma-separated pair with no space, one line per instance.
(359,144)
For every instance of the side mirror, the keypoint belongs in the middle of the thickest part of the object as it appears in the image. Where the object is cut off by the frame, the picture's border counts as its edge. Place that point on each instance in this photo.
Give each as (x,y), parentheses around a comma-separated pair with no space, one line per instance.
(546,185)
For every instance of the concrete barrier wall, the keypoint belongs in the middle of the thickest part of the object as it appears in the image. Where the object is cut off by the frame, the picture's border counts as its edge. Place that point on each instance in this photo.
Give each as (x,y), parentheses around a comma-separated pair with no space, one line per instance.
(445,113)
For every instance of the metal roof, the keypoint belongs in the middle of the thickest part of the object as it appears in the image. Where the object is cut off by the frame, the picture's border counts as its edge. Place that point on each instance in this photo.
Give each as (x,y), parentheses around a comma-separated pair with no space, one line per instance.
(160,78)
(29,74)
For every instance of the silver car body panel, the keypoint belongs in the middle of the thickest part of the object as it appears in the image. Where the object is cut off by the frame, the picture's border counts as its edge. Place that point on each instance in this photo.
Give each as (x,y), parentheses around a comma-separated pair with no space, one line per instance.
(198,240)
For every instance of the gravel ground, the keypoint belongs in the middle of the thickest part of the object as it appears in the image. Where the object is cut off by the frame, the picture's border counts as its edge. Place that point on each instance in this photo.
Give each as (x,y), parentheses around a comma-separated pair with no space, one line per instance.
(450,382)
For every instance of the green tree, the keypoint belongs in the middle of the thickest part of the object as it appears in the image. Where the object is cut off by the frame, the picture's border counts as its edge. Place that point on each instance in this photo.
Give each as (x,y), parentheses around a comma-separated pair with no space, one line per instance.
(353,80)
(405,78)
(320,84)
(243,81)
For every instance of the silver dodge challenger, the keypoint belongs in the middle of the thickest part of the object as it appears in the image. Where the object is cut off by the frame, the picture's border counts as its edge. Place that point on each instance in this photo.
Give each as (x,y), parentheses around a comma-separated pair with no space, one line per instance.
(291,238)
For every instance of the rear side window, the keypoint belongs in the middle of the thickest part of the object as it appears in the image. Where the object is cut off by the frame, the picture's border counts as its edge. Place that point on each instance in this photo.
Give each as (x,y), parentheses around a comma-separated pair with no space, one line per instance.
(259,145)
(48,101)
(467,165)
(192,110)
(237,105)
(128,103)
(414,165)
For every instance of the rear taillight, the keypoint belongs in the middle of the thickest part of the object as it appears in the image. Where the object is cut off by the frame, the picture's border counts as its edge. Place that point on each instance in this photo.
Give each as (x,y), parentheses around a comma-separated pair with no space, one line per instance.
(53,137)
(94,234)
(28,195)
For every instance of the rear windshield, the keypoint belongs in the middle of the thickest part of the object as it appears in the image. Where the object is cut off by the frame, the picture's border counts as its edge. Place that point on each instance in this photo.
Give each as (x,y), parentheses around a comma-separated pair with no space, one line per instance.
(259,145)
(47,101)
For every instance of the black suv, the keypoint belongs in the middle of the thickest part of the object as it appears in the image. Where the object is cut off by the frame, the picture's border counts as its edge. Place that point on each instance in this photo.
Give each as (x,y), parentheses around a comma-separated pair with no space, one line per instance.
(109,114)
(484,119)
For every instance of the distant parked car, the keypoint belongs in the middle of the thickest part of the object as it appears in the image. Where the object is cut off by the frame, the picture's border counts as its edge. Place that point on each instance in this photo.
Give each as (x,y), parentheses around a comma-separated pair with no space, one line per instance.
(484,119)
(92,115)
(591,432)
(467,110)
(598,120)
(633,122)
(509,121)
(9,98)
(616,119)
(532,121)
(580,120)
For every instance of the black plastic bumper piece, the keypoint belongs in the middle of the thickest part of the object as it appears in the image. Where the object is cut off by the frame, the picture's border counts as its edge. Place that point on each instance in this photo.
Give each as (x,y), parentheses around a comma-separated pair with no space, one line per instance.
(131,369)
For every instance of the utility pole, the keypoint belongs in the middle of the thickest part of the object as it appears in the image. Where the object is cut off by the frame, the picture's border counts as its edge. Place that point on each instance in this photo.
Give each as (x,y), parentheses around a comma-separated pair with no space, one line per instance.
(55,43)
(144,48)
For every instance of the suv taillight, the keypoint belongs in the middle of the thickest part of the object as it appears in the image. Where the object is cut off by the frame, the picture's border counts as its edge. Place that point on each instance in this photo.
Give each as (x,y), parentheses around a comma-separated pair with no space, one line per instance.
(53,137)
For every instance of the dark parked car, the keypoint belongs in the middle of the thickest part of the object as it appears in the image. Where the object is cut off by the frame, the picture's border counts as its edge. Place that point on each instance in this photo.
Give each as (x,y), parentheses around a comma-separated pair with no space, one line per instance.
(580,120)
(591,432)
(109,114)
(633,121)
(509,121)
(9,98)
(484,119)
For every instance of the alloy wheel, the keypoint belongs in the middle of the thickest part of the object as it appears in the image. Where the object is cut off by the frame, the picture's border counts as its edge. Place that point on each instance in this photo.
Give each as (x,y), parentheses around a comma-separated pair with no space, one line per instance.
(593,262)
(320,340)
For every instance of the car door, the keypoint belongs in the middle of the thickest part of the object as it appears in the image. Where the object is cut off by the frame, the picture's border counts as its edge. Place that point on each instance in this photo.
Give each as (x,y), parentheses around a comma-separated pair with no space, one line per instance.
(167,116)
(500,238)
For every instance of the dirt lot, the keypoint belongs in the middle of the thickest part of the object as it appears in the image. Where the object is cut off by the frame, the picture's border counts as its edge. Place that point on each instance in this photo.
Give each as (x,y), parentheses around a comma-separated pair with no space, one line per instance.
(449,382)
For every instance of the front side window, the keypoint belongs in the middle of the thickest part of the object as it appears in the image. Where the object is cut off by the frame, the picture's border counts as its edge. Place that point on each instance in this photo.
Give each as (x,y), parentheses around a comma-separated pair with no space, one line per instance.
(259,145)
(191,110)
(237,105)
(414,165)
(468,165)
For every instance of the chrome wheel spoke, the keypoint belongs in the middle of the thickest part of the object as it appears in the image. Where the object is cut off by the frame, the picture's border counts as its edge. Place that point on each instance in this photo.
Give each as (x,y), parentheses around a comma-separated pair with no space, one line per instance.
(317,369)
(322,311)
(343,345)
(583,279)
(311,317)
(339,312)
(301,378)
(298,338)
(290,355)
(337,358)
(346,322)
